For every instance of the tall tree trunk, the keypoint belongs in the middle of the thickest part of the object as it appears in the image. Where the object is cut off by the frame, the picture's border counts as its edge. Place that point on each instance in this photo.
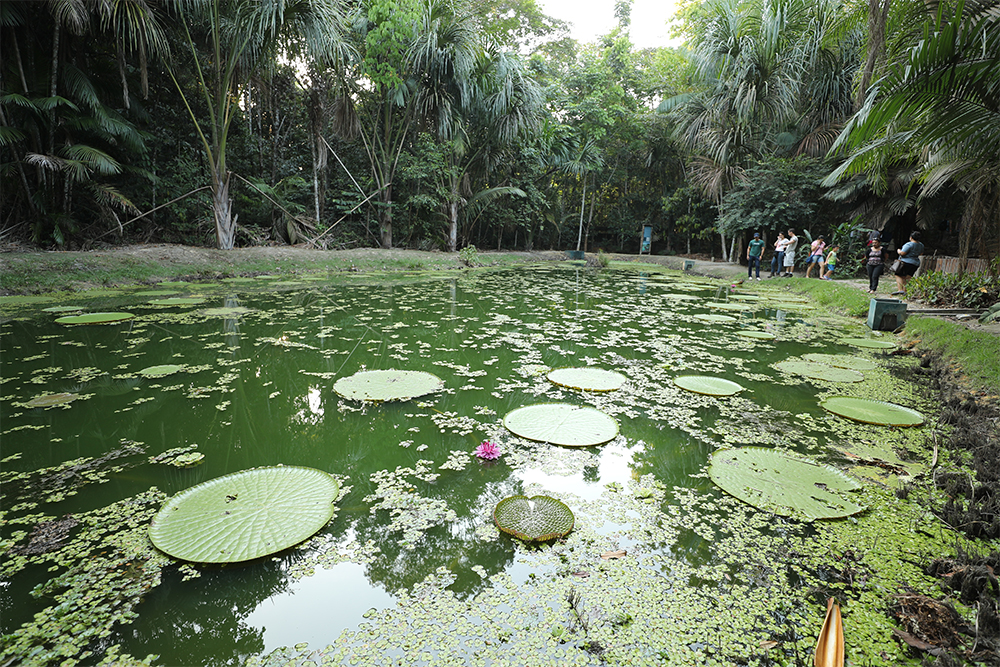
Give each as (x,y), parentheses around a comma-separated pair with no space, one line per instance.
(225,224)
(878,16)
(385,218)
(583,206)
(725,257)
(452,210)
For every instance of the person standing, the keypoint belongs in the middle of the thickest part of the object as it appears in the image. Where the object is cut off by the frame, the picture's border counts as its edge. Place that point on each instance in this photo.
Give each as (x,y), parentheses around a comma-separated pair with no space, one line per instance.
(754,252)
(815,257)
(778,260)
(789,260)
(875,264)
(909,256)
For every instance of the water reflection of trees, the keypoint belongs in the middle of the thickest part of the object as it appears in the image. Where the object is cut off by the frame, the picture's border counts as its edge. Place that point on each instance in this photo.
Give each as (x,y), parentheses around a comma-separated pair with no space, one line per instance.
(201,621)
(454,546)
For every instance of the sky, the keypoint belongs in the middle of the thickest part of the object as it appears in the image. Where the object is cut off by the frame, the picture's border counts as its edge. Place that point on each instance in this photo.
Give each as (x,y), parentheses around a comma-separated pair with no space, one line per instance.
(591,18)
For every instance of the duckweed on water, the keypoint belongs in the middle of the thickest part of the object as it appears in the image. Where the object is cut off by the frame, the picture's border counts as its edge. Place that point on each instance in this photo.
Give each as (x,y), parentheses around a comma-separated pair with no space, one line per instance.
(706,579)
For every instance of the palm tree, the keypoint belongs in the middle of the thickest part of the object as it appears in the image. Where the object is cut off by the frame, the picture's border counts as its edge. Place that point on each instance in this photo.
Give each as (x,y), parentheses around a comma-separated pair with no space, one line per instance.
(243,39)
(940,109)
(63,72)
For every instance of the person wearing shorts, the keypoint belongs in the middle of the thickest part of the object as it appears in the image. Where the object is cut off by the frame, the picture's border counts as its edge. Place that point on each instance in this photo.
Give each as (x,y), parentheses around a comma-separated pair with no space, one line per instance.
(793,243)
(826,270)
(815,257)
(909,256)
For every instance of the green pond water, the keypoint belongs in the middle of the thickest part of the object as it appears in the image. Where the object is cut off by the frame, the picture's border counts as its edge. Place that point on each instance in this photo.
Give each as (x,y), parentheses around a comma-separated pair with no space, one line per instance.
(411,570)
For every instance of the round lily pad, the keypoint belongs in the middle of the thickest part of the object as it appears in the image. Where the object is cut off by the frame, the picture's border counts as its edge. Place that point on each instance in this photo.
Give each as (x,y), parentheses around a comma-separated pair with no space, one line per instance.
(534,519)
(714,317)
(157,292)
(388,385)
(245,515)
(871,343)
(562,424)
(784,484)
(51,400)
(760,335)
(868,411)
(705,384)
(587,379)
(95,318)
(62,309)
(160,371)
(841,361)
(722,305)
(24,299)
(228,312)
(178,301)
(816,371)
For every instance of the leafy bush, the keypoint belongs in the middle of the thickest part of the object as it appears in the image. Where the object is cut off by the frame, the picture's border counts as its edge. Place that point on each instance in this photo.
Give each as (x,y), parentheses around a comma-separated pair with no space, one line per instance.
(602,259)
(967,290)
(469,255)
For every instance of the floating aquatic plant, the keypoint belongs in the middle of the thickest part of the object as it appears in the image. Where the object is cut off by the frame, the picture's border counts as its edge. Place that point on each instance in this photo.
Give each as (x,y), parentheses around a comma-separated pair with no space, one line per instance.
(487,450)
(245,515)
(160,371)
(868,411)
(534,519)
(842,361)
(817,371)
(872,343)
(587,379)
(751,333)
(95,318)
(388,385)
(51,400)
(711,386)
(784,484)
(562,424)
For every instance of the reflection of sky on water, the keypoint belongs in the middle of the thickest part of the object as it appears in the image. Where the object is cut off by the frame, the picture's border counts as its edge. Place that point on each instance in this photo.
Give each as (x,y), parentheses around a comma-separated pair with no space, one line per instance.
(315,609)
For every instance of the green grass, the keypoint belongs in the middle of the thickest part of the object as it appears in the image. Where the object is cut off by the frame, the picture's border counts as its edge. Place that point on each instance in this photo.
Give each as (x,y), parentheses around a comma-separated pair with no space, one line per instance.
(833,295)
(974,351)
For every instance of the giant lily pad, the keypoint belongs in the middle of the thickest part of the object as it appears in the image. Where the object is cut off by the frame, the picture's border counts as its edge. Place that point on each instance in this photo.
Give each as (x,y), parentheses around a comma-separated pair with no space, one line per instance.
(705,384)
(868,411)
(389,385)
(760,335)
(871,343)
(95,318)
(784,484)
(714,317)
(815,371)
(179,301)
(562,424)
(51,400)
(534,519)
(63,309)
(160,371)
(245,515)
(587,379)
(841,361)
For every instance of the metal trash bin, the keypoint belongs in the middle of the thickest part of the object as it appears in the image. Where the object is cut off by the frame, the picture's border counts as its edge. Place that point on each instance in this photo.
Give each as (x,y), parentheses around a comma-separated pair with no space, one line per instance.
(688,264)
(886,314)
(575,254)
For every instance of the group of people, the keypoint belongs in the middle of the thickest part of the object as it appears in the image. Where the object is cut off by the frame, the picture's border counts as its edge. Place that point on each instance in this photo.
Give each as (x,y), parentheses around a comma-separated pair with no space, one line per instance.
(825,258)
(783,260)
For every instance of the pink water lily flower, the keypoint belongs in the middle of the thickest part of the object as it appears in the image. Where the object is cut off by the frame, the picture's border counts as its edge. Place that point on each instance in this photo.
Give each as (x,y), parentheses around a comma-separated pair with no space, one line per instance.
(487,450)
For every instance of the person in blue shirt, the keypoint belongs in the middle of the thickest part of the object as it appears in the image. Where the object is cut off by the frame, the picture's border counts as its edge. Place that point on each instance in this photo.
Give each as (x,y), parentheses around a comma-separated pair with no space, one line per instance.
(754,252)
(909,256)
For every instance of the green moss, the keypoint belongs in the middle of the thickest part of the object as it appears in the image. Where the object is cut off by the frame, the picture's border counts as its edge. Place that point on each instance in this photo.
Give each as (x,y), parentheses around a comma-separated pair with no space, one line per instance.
(974,351)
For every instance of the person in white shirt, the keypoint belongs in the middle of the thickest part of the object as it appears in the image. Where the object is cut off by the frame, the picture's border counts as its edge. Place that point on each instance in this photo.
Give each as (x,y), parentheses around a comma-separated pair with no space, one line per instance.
(793,243)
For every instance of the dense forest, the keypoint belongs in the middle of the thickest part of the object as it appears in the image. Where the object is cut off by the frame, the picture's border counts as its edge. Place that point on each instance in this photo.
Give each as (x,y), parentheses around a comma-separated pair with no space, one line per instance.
(447,123)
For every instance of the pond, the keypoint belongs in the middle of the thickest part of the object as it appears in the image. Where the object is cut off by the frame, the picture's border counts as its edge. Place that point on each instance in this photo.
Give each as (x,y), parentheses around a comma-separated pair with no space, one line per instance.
(662,566)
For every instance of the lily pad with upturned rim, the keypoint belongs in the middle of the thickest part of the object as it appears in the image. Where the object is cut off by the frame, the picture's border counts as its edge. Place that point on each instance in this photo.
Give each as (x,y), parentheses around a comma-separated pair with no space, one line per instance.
(245,515)
(95,318)
(867,411)
(562,424)
(841,361)
(759,335)
(587,379)
(708,385)
(714,317)
(534,519)
(871,343)
(388,385)
(817,371)
(160,371)
(784,484)
(51,400)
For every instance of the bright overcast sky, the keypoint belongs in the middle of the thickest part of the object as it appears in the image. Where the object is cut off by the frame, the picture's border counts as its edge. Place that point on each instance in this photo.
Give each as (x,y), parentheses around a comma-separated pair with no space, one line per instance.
(591,18)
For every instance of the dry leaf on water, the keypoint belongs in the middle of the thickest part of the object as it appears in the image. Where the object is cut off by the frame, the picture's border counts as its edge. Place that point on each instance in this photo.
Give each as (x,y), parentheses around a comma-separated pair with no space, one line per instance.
(607,555)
